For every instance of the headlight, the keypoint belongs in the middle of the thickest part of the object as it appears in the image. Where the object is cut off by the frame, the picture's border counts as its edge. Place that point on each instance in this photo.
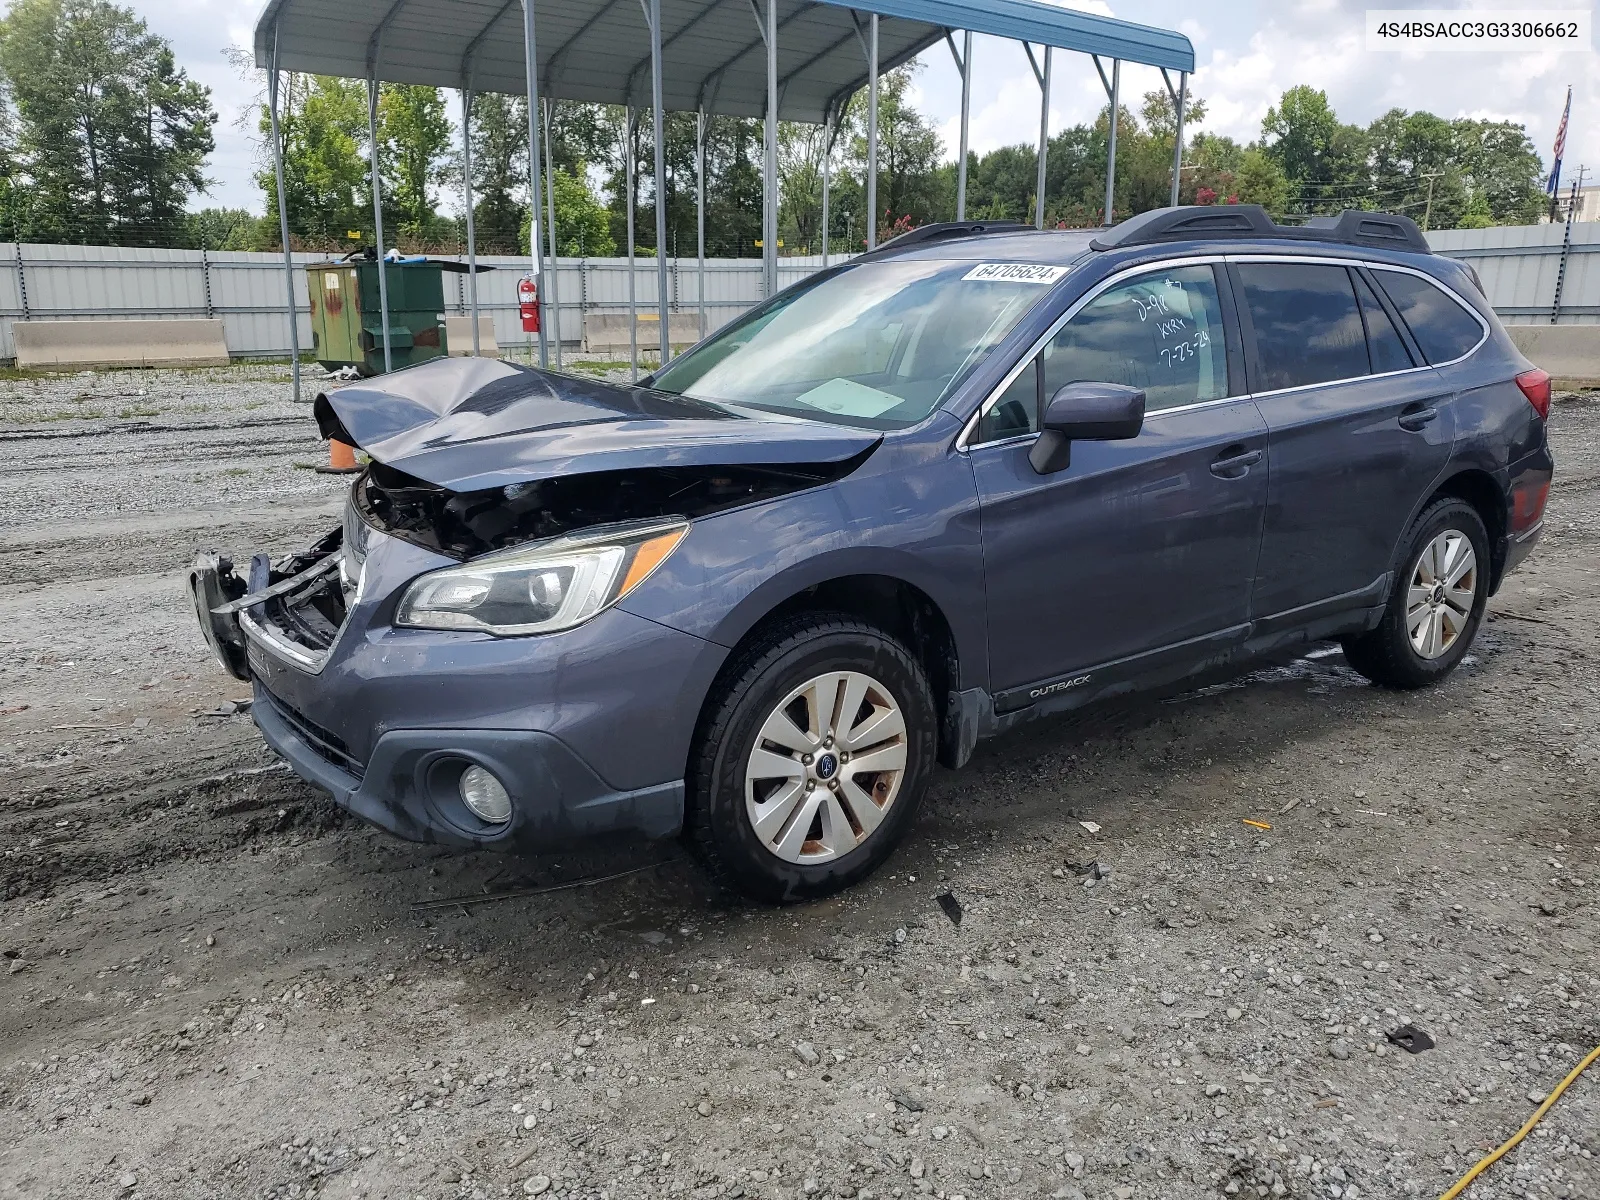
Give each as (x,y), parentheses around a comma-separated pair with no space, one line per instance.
(543,587)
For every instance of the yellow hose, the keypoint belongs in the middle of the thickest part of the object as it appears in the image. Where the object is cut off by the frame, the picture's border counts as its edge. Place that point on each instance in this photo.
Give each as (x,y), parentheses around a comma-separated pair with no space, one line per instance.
(1538,1115)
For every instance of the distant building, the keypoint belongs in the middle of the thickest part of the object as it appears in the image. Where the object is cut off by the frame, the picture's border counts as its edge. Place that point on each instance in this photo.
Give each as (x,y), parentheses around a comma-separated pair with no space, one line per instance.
(1588,204)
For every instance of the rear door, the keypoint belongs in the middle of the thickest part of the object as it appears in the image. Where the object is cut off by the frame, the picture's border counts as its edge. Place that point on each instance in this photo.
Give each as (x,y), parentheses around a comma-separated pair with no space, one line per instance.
(1360,428)
(1139,547)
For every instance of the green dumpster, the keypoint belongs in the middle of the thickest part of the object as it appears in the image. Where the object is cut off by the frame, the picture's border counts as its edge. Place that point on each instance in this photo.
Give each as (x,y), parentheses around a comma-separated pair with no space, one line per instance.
(346,321)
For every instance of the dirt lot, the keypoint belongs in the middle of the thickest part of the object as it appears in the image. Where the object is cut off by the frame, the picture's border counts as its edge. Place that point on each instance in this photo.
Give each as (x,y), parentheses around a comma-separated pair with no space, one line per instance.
(216,986)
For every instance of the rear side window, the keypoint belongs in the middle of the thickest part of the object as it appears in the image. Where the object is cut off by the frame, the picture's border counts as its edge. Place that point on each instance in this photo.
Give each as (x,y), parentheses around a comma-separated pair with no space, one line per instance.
(1308,328)
(1443,329)
(1384,343)
(1161,332)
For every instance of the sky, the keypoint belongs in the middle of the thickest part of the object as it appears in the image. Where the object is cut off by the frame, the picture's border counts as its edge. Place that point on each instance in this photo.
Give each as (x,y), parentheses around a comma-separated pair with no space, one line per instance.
(1247,54)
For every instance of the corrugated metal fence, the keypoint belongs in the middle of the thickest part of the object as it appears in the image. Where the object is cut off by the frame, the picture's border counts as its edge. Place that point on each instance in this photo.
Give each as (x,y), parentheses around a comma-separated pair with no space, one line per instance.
(1521,268)
(40,282)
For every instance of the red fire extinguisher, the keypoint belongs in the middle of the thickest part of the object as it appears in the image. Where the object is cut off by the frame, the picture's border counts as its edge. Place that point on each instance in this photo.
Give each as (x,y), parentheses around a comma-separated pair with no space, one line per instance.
(528,301)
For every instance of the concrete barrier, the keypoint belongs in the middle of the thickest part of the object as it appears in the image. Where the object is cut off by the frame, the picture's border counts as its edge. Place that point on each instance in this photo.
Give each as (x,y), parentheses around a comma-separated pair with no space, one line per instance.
(458,336)
(608,332)
(179,342)
(1571,353)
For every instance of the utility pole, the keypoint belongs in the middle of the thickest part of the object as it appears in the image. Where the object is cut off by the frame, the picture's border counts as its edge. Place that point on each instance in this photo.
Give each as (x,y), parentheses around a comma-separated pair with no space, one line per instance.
(1428,211)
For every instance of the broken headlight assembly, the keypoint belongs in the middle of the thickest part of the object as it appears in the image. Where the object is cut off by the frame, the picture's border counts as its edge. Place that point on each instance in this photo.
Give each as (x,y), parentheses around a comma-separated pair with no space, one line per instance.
(543,587)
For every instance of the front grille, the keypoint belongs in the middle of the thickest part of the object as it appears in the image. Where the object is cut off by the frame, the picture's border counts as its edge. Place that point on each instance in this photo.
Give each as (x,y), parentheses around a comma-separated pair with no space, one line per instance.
(328,745)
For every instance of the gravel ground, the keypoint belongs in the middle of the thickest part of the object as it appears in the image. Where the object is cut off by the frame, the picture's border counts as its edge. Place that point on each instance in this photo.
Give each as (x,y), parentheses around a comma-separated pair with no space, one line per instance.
(217,986)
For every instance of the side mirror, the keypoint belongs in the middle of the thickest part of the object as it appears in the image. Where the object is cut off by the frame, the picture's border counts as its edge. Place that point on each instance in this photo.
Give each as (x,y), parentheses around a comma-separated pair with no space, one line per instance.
(1094,412)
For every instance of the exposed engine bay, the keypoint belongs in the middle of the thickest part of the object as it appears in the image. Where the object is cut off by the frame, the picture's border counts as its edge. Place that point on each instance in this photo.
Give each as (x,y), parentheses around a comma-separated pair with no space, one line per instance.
(464,525)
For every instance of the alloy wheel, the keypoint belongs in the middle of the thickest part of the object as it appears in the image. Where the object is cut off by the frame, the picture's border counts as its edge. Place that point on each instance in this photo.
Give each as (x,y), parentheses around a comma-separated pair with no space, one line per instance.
(1441,593)
(826,767)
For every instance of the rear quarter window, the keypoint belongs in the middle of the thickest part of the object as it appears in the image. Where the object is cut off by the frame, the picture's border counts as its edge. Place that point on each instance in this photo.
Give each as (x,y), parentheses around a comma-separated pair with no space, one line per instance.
(1443,329)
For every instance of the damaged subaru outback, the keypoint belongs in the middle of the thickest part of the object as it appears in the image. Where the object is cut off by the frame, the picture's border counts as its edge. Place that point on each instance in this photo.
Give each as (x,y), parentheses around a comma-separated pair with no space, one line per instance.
(977,476)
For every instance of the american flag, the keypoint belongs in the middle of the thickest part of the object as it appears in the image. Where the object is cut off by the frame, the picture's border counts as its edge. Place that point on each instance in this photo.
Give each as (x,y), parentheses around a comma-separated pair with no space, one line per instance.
(1554,182)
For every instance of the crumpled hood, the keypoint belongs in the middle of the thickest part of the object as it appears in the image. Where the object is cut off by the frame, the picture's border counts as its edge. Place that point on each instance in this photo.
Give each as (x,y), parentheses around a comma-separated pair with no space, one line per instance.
(472,423)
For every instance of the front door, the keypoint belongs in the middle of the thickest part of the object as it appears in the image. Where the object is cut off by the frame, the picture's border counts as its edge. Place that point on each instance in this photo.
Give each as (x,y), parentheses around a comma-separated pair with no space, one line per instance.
(1139,547)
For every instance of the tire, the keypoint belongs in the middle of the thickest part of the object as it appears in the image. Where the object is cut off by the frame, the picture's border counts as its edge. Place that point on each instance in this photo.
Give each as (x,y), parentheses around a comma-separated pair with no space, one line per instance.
(1389,655)
(806,664)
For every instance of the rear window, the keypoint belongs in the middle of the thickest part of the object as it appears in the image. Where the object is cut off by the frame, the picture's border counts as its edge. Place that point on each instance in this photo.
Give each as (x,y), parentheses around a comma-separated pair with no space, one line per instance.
(1388,351)
(1443,329)
(1308,328)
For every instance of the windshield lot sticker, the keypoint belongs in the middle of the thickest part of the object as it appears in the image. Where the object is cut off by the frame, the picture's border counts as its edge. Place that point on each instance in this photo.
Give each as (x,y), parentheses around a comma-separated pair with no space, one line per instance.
(847,398)
(1015,273)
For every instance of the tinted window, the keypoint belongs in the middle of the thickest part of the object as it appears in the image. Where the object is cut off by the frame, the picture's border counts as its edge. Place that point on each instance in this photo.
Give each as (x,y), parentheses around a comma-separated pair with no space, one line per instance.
(1017,410)
(1384,343)
(1443,329)
(1161,332)
(1308,329)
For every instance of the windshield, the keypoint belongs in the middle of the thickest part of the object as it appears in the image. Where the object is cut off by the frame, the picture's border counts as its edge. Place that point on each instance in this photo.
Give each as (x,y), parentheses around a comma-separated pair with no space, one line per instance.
(878,345)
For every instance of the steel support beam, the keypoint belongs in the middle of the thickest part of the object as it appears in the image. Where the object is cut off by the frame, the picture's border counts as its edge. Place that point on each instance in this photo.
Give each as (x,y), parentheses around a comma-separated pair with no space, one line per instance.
(530,59)
(472,232)
(964,62)
(283,224)
(663,308)
(872,133)
(1043,76)
(769,190)
(632,125)
(1177,139)
(700,215)
(1113,88)
(550,211)
(377,210)
(830,129)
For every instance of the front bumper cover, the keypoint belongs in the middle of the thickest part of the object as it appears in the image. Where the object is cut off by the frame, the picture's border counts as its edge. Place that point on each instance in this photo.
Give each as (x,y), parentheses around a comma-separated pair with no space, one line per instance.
(408,785)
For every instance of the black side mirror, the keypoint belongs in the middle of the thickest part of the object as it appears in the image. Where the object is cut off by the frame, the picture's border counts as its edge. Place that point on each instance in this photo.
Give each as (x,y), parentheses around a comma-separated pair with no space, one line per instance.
(1095,412)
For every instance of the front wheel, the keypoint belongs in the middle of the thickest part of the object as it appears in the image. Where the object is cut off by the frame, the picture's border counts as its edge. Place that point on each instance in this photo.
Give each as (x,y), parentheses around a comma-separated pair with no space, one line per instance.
(1435,606)
(811,761)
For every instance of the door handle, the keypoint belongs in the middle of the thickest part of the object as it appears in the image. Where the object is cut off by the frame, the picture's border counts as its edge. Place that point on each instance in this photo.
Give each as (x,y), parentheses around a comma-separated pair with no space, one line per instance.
(1413,419)
(1235,466)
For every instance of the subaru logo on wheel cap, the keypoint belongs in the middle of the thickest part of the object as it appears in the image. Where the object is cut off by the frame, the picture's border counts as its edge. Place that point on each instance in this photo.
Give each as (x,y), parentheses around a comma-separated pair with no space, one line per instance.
(826,766)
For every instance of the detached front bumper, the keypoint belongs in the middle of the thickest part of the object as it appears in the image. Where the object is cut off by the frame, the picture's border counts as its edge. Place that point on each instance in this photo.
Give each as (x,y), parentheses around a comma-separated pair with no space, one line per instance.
(587,730)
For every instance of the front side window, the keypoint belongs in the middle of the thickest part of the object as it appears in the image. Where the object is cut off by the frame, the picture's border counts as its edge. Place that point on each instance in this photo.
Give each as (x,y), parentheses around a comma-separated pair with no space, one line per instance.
(1443,329)
(1161,332)
(1308,328)
(877,345)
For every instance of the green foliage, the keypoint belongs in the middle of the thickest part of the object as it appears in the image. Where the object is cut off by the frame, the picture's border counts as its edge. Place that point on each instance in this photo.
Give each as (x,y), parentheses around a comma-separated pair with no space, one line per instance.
(499,170)
(106,139)
(223,229)
(414,148)
(583,226)
(323,124)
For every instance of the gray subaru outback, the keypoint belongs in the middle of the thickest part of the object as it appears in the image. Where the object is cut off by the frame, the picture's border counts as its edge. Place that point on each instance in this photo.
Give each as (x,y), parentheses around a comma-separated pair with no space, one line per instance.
(978,476)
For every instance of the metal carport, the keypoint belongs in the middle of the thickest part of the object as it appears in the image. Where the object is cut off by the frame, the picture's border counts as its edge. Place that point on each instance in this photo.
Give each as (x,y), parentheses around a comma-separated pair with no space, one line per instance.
(710,57)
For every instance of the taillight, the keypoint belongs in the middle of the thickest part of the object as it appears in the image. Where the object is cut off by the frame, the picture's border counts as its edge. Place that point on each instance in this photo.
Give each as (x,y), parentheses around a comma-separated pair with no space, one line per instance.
(1527,504)
(1535,385)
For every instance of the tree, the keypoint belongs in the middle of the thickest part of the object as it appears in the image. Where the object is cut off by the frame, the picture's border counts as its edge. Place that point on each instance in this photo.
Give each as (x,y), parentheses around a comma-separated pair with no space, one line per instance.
(583,226)
(1324,162)
(323,123)
(1260,180)
(499,170)
(111,136)
(909,151)
(414,146)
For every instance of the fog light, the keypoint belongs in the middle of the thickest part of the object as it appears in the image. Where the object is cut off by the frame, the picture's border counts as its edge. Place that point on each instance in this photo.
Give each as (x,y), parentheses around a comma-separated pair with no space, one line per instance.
(486,796)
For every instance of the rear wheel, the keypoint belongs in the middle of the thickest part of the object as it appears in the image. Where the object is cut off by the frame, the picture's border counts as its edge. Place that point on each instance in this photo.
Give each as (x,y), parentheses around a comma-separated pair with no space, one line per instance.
(1435,606)
(811,762)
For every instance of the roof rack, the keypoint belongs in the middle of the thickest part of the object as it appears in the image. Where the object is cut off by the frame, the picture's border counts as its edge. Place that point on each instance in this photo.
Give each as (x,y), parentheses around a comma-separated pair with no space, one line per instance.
(942,229)
(1204,222)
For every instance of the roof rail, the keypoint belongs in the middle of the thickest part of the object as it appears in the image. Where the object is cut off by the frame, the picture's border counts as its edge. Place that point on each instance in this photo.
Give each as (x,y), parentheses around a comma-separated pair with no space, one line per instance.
(1203,222)
(942,229)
